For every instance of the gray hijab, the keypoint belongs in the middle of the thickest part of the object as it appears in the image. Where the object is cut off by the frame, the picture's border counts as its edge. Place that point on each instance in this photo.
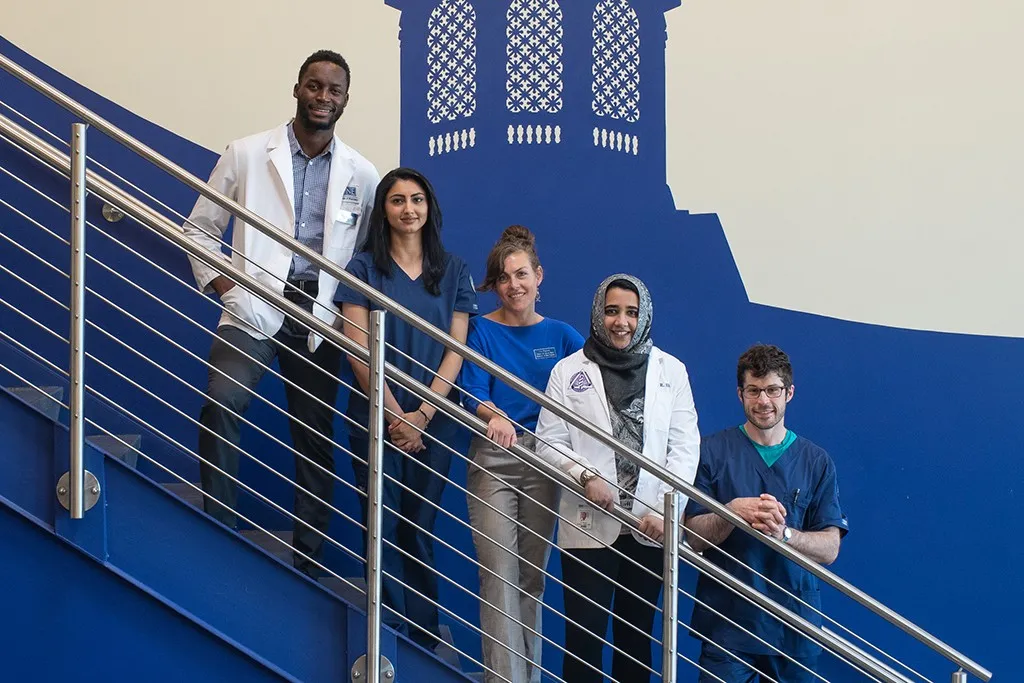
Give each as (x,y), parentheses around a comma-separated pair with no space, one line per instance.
(624,372)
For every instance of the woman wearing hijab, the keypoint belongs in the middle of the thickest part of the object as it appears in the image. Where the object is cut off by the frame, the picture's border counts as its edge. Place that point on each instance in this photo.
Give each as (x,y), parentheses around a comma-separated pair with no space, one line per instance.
(640,395)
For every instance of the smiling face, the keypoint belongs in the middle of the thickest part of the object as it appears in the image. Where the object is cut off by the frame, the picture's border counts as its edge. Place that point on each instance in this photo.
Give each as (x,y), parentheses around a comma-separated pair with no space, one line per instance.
(764,411)
(321,96)
(406,207)
(517,284)
(621,312)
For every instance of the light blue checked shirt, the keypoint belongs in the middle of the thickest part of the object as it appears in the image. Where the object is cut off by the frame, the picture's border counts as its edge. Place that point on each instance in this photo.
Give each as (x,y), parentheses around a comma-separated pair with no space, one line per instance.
(310,177)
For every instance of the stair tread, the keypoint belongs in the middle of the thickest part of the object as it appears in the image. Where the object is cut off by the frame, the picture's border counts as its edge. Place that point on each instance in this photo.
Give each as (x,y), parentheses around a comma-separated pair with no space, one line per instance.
(186,493)
(276,542)
(46,399)
(124,447)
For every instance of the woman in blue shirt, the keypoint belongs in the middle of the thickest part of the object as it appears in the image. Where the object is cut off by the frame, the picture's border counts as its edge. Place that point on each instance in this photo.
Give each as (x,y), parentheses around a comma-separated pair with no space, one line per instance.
(403,258)
(528,345)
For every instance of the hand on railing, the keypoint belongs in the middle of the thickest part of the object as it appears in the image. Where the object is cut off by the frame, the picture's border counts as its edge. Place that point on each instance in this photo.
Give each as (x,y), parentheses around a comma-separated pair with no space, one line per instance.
(599,493)
(653,526)
(501,431)
(764,513)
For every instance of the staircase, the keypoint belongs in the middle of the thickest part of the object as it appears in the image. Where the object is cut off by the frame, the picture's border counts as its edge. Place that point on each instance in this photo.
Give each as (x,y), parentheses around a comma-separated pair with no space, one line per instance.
(147,587)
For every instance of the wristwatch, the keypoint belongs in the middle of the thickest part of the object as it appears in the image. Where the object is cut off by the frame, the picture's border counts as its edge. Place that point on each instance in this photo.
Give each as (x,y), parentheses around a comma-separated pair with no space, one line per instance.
(787,534)
(586,476)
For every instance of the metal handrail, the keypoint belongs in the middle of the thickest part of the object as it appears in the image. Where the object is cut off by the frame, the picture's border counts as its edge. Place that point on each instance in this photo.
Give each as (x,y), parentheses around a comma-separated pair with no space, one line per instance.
(271,371)
(155,221)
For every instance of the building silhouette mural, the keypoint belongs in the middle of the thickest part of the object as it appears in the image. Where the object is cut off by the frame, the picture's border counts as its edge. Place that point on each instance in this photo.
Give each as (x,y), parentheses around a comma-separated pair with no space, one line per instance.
(551,113)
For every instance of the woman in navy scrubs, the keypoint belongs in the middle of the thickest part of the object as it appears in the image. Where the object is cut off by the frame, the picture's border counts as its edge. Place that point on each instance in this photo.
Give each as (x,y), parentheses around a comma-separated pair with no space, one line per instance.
(403,258)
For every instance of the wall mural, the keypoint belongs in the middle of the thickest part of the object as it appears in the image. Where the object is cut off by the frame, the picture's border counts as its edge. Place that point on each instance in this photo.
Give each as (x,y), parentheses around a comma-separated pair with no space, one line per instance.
(530,112)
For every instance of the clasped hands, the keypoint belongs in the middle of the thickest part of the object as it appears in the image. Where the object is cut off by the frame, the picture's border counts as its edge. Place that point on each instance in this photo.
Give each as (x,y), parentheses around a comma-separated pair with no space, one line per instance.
(406,433)
(765,513)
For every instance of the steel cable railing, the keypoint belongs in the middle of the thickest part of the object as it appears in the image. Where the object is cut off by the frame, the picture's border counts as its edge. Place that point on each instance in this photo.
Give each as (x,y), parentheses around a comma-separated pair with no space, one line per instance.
(110,303)
(240,273)
(440,336)
(622,513)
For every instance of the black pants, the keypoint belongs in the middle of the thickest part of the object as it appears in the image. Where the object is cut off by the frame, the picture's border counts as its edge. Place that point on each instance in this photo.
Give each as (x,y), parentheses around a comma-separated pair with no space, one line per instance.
(221,446)
(425,473)
(589,571)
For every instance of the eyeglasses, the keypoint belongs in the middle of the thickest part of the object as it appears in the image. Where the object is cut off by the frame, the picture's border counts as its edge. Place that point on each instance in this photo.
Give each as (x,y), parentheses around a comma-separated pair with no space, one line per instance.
(753,393)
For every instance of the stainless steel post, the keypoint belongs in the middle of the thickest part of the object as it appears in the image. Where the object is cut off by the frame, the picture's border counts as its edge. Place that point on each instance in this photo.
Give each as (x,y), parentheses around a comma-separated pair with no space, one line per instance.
(76,484)
(670,607)
(959,676)
(374,493)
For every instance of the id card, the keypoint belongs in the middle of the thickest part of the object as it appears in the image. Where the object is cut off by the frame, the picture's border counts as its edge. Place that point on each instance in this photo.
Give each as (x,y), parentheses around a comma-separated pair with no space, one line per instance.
(585,517)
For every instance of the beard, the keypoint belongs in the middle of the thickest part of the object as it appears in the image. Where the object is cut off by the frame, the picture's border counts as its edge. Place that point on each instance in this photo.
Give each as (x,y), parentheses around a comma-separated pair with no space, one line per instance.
(765,422)
(309,124)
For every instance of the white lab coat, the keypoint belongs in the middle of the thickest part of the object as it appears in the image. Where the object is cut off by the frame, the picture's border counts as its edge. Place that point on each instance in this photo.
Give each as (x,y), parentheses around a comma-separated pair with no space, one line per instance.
(256,171)
(671,440)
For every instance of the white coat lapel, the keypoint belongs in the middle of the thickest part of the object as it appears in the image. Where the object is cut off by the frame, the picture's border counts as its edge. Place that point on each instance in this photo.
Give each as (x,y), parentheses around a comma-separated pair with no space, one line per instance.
(280,153)
(654,391)
(342,170)
(603,417)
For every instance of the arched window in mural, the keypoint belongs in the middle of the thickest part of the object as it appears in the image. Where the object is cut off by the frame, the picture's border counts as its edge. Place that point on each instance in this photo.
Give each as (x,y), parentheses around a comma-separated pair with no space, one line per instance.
(451,61)
(616,68)
(534,50)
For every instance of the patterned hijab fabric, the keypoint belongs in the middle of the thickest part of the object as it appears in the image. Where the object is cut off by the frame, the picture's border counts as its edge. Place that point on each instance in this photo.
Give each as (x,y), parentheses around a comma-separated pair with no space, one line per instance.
(624,373)
(641,342)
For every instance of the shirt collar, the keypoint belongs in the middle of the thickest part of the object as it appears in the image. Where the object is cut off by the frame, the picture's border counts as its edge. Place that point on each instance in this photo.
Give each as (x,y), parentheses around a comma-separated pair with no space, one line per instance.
(293,142)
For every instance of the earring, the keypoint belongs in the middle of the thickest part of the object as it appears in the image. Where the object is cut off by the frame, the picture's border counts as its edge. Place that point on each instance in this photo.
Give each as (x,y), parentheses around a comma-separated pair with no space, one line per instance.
(538,294)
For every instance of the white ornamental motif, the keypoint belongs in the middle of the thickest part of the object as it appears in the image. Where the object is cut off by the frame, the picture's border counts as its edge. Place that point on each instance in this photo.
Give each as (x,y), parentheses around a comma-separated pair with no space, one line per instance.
(616,54)
(534,50)
(451,61)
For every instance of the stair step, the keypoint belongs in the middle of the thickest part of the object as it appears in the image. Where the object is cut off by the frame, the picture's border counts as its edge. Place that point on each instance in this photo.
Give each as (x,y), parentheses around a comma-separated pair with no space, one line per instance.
(186,493)
(445,650)
(44,399)
(124,447)
(277,543)
(352,589)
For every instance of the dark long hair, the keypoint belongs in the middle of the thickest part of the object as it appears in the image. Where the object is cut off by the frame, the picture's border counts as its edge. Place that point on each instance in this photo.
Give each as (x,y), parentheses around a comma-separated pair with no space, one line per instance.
(378,236)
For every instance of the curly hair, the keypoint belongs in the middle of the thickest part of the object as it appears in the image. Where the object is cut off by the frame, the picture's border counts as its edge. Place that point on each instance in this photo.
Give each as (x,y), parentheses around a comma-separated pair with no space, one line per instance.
(514,239)
(761,359)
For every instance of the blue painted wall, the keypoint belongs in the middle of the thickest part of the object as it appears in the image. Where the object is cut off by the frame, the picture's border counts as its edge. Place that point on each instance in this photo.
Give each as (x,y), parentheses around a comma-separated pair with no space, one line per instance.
(70,618)
(923,426)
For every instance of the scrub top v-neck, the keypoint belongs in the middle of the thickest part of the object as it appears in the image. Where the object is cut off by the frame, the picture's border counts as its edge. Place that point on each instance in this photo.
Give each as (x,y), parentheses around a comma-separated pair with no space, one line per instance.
(456,295)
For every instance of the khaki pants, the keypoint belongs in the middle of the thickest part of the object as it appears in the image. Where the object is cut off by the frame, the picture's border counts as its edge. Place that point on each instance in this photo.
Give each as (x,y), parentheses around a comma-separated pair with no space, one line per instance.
(516,552)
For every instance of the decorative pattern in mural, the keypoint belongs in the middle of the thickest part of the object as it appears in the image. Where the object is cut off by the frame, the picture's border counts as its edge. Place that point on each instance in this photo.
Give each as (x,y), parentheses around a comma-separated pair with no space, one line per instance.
(616,67)
(534,135)
(534,49)
(451,61)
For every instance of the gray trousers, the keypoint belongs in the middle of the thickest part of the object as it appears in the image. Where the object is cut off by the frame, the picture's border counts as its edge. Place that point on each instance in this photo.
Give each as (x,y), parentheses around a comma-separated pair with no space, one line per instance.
(516,552)
(226,401)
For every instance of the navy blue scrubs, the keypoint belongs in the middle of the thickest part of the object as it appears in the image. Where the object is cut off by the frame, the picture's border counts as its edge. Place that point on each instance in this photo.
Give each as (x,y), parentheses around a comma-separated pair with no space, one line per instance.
(414,534)
(804,480)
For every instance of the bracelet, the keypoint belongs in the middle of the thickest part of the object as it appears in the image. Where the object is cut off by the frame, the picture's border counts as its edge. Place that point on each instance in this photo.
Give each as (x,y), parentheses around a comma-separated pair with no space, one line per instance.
(425,416)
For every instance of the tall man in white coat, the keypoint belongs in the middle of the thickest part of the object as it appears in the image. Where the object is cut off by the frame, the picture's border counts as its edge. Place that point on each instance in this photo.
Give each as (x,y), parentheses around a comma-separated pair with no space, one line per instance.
(302,179)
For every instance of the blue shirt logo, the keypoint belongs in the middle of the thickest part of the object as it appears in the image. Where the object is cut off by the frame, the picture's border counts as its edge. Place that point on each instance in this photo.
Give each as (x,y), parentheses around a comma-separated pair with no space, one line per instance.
(580,382)
(545,353)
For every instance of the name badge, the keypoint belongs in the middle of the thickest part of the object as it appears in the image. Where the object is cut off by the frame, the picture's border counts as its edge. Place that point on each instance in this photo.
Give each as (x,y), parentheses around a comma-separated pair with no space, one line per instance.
(585,517)
(346,217)
(545,353)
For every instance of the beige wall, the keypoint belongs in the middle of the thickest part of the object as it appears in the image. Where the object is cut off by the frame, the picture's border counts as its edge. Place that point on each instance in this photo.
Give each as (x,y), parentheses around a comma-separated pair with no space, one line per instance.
(864,155)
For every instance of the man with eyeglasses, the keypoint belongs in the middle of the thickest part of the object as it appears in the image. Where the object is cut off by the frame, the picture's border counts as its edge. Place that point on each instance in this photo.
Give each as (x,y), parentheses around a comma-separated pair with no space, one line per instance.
(783,486)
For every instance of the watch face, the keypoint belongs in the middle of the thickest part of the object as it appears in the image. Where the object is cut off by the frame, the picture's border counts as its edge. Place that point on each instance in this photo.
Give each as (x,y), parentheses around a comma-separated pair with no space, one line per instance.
(787,534)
